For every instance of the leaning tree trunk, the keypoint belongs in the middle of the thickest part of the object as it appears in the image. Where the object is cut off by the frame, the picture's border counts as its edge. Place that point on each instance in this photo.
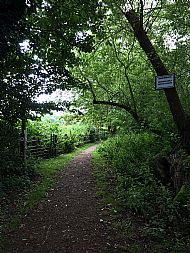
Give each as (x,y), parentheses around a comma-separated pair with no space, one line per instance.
(181,120)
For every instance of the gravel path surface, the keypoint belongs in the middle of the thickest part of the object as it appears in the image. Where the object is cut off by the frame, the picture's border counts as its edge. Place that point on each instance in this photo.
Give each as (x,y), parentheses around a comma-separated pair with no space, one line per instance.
(69,221)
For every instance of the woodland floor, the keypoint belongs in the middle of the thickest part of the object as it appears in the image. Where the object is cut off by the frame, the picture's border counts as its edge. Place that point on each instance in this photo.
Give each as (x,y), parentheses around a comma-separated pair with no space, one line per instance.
(70,219)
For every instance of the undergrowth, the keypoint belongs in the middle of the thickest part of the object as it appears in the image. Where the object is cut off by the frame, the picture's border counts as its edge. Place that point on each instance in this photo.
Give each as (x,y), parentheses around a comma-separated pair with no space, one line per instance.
(126,179)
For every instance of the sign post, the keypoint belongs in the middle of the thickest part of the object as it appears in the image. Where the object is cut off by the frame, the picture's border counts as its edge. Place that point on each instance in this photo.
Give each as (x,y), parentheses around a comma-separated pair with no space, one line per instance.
(165,82)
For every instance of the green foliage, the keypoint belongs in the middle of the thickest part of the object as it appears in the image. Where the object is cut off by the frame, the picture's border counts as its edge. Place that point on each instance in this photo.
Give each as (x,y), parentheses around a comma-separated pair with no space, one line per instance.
(183,195)
(15,182)
(68,136)
(117,71)
(60,34)
(130,157)
(11,13)
(126,179)
(127,159)
(13,174)
(37,41)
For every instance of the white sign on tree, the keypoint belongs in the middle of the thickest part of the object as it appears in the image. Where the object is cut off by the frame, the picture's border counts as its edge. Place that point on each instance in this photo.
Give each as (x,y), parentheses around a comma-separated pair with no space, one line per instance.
(165,82)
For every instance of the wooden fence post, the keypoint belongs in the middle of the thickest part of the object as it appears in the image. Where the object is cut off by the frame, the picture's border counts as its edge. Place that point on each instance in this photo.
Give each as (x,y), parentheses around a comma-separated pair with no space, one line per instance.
(23,142)
(53,145)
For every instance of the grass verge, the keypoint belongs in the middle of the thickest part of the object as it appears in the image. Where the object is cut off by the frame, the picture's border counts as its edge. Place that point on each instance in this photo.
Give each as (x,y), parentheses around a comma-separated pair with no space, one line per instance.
(46,169)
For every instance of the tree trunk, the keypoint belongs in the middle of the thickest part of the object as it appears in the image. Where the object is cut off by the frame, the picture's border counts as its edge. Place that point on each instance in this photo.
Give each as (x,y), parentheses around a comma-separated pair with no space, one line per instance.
(179,116)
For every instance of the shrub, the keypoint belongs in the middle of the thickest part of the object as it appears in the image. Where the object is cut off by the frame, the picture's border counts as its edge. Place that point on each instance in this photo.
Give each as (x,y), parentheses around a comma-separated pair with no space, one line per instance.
(125,161)
(13,174)
(130,157)
(68,136)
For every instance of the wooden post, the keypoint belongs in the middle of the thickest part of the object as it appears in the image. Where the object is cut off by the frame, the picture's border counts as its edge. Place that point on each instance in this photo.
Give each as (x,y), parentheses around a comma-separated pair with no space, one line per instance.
(55,144)
(23,141)
(51,145)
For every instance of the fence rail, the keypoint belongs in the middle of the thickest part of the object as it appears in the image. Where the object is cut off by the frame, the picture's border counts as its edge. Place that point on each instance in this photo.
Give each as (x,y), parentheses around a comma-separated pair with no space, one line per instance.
(39,148)
(56,145)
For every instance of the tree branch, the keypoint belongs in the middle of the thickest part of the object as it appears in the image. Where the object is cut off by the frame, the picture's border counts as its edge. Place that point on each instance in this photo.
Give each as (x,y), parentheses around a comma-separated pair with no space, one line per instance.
(89,84)
(127,108)
(126,76)
(159,67)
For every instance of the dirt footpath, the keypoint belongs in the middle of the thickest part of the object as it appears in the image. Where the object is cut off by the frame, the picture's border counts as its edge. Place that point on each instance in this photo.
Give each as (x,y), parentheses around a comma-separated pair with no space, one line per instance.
(69,221)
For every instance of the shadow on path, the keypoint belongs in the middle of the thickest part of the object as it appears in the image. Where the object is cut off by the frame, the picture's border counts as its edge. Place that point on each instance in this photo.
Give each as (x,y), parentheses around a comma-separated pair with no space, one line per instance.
(69,220)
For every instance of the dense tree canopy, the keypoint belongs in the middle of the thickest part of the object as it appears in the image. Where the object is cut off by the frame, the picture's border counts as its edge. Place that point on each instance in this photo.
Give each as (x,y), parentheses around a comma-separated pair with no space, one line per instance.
(108,52)
(117,71)
(57,32)
(49,31)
